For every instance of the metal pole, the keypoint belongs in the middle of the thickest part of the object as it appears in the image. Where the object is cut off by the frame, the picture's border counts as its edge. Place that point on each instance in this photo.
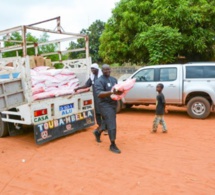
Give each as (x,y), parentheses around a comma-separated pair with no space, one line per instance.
(0,51)
(87,46)
(24,49)
(36,51)
(56,32)
(56,18)
(58,25)
(19,47)
(4,32)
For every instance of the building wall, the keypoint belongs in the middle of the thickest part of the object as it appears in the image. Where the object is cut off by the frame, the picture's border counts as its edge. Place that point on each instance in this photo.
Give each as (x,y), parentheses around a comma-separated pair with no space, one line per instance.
(122,70)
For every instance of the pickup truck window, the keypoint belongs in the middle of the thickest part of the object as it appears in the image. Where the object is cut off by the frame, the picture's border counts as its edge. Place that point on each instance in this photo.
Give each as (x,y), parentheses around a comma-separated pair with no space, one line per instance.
(200,72)
(168,74)
(145,75)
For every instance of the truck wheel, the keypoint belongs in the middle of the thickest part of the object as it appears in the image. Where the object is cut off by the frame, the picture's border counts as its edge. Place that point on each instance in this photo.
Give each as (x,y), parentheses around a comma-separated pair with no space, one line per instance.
(119,106)
(198,107)
(3,128)
(128,105)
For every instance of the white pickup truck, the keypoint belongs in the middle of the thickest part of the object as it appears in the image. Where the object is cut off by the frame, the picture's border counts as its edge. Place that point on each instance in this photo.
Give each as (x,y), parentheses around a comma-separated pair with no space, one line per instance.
(50,117)
(191,85)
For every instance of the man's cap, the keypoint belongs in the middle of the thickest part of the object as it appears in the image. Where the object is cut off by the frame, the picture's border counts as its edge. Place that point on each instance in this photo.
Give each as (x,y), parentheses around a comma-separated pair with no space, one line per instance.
(96,66)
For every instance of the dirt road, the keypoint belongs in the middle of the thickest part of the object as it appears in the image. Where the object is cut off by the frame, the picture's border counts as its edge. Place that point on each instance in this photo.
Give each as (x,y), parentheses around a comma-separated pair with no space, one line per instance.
(179,162)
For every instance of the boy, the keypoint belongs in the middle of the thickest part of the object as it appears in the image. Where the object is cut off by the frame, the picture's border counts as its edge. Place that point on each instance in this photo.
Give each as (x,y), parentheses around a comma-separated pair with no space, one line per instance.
(160,109)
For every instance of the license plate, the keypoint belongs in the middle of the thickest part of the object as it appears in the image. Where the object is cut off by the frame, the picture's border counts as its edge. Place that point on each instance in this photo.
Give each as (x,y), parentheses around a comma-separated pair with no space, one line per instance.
(66,107)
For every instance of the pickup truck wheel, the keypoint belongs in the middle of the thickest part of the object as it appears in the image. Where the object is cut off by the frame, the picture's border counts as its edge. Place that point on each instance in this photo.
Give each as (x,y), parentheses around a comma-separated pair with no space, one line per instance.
(198,107)
(128,105)
(119,106)
(3,128)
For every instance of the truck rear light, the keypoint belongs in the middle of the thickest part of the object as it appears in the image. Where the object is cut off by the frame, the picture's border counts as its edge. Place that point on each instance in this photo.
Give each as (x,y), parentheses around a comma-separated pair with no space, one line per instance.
(40,112)
(88,102)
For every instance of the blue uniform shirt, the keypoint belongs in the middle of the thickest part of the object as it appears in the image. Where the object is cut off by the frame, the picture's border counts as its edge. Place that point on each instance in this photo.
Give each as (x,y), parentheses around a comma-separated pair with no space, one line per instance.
(104,83)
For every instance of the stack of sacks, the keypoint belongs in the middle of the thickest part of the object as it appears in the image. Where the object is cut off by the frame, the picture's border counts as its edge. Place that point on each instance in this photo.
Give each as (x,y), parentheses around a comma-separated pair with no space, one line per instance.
(124,87)
(48,82)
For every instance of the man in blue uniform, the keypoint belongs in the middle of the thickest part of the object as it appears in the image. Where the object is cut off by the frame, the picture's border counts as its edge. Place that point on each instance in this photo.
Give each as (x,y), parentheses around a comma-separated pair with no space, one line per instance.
(107,106)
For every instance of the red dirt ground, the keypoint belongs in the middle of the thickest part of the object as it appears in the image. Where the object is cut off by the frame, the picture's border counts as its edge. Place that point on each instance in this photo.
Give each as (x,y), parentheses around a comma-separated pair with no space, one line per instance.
(179,162)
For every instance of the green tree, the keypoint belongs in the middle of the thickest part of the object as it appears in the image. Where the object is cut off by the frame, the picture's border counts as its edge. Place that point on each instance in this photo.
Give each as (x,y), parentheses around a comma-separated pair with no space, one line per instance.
(80,43)
(16,36)
(157,31)
(48,48)
(94,32)
(30,41)
(73,45)
(158,41)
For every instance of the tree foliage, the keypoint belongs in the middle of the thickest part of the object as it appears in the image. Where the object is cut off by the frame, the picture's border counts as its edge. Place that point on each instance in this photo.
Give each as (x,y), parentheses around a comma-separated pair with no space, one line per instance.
(47,48)
(94,32)
(161,42)
(80,43)
(157,31)
(30,41)
(17,37)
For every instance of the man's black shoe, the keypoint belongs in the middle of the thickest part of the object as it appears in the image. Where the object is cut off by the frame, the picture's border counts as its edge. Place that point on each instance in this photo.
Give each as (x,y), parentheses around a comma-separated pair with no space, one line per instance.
(114,149)
(97,135)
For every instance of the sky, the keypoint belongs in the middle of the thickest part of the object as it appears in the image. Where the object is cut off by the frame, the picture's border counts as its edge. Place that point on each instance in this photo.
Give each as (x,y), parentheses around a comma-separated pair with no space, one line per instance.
(75,14)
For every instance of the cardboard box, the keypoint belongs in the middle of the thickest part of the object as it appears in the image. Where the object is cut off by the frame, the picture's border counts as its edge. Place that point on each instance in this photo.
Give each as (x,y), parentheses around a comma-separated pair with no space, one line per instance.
(39,61)
(32,62)
(10,64)
(48,62)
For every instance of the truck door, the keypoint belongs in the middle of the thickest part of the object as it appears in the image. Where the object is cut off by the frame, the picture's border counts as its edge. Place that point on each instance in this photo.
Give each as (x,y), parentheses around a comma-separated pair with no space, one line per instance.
(144,88)
(170,77)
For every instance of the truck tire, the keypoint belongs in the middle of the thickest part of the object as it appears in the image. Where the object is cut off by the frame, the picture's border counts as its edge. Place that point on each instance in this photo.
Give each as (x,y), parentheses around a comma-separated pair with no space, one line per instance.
(128,105)
(119,106)
(3,128)
(198,107)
